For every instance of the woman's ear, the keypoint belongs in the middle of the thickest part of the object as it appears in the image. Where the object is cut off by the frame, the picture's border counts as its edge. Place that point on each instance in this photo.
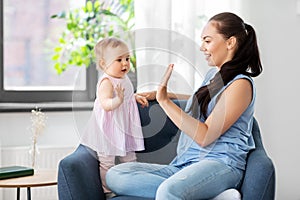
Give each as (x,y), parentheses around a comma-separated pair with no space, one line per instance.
(231,43)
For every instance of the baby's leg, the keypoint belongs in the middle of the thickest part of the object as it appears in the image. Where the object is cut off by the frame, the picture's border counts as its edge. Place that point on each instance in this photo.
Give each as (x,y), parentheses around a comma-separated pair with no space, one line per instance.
(106,162)
(130,157)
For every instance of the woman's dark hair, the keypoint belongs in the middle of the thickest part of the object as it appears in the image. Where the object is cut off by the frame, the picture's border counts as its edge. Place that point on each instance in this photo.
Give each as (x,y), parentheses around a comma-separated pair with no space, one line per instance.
(245,61)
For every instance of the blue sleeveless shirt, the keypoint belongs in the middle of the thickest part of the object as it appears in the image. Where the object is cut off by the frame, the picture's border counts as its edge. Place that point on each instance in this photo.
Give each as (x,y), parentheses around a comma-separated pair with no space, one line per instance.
(231,147)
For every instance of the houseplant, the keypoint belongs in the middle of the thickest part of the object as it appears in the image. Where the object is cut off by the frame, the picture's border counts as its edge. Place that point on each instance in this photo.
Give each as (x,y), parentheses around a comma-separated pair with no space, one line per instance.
(87,25)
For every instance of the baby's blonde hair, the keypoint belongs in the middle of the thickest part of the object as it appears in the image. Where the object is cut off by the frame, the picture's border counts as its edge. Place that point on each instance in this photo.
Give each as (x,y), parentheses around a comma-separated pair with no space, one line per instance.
(103,44)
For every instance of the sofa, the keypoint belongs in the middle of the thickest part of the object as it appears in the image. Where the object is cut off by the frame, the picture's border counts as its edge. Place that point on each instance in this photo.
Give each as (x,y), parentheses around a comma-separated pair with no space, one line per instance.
(79,178)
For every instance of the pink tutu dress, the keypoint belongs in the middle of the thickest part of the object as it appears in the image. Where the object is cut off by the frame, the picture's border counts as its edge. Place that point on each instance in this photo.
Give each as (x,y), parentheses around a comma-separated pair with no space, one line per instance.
(118,131)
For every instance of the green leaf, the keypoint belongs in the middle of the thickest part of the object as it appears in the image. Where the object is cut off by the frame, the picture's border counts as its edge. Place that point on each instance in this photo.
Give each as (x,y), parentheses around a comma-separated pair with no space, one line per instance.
(55,57)
(87,62)
(62,41)
(110,32)
(63,67)
(107,12)
(89,6)
(57,49)
(58,68)
(97,5)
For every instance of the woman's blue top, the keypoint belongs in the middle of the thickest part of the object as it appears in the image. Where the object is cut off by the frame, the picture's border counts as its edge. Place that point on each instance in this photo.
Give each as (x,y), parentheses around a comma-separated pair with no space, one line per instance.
(232,147)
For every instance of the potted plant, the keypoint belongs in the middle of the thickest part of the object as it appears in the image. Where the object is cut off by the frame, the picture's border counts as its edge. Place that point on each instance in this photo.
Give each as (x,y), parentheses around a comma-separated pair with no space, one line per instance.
(88,24)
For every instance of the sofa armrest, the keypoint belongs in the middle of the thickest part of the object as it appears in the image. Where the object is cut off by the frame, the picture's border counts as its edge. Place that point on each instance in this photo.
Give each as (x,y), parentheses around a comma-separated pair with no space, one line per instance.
(78,176)
(259,179)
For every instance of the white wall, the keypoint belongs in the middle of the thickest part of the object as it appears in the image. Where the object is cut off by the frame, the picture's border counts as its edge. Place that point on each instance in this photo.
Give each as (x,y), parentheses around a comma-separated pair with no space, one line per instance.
(278,91)
(277,110)
(62,128)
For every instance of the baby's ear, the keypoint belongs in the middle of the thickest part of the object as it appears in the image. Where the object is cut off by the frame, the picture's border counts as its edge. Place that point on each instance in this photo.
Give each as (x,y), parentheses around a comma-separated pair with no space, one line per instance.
(102,63)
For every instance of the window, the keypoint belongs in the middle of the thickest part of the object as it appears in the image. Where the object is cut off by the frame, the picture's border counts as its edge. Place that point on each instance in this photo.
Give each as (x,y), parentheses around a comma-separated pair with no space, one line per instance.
(27,73)
(28,34)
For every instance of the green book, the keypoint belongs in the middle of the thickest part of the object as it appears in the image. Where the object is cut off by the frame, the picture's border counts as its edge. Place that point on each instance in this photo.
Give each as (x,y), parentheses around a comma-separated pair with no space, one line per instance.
(15,171)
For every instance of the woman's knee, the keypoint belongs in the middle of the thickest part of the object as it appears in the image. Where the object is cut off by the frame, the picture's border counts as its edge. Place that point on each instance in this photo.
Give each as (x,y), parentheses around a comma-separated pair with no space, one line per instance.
(117,175)
(169,190)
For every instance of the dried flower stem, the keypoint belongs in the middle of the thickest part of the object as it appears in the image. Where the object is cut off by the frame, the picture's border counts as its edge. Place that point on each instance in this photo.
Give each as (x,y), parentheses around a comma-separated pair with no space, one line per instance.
(38,119)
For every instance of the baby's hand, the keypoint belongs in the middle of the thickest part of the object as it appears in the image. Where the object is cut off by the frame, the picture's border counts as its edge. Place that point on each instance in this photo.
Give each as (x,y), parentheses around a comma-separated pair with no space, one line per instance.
(119,92)
(148,95)
(141,100)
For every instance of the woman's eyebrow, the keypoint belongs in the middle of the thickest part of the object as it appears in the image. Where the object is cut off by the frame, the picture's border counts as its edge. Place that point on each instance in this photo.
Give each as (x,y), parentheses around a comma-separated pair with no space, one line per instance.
(205,37)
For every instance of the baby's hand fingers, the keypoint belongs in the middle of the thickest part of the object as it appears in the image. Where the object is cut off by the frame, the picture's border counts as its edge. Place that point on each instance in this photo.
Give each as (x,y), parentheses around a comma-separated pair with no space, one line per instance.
(119,89)
(144,102)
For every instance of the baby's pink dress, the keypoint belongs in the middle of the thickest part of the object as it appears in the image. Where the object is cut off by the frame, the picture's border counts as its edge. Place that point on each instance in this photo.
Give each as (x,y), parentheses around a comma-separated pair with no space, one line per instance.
(118,131)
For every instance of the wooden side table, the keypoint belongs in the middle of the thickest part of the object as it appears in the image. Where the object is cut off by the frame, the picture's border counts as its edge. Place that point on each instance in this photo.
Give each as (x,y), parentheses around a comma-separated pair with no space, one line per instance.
(41,178)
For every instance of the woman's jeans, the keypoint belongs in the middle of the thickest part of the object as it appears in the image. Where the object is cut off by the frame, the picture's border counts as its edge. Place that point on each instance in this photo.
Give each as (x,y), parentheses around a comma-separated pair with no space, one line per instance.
(201,180)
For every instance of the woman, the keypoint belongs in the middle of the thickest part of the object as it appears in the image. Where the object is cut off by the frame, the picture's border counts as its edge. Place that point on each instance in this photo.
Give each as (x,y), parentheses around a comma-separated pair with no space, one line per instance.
(216,125)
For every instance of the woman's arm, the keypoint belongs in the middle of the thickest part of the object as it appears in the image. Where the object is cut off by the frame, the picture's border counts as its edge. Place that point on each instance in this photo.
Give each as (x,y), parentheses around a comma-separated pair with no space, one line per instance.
(178,96)
(231,104)
(106,95)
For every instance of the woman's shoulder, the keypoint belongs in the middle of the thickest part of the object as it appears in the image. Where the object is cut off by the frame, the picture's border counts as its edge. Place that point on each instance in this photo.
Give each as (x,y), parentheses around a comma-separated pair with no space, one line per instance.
(242,76)
(238,78)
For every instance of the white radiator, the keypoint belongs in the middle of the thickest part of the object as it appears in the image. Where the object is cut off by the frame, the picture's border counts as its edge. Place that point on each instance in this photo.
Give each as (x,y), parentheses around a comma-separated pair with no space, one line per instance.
(48,158)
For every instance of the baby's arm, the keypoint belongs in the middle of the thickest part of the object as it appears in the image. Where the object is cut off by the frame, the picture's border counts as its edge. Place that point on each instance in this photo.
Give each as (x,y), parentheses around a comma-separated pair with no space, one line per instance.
(141,100)
(152,95)
(106,95)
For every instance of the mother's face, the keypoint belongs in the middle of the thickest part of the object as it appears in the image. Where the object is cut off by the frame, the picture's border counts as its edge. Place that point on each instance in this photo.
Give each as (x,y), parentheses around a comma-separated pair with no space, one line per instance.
(217,50)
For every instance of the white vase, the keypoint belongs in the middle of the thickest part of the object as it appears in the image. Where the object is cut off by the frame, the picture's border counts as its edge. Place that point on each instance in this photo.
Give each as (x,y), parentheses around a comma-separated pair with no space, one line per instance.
(34,155)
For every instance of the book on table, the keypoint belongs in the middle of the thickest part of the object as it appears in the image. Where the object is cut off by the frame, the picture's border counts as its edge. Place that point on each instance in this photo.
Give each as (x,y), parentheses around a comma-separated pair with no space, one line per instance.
(15,171)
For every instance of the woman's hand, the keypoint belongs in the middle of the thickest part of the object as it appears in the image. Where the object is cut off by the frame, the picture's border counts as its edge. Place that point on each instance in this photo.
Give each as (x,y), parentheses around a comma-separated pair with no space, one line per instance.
(141,100)
(162,93)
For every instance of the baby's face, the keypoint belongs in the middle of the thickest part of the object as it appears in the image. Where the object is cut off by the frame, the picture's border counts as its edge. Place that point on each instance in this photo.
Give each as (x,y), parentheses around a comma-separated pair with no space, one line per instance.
(117,61)
(111,54)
